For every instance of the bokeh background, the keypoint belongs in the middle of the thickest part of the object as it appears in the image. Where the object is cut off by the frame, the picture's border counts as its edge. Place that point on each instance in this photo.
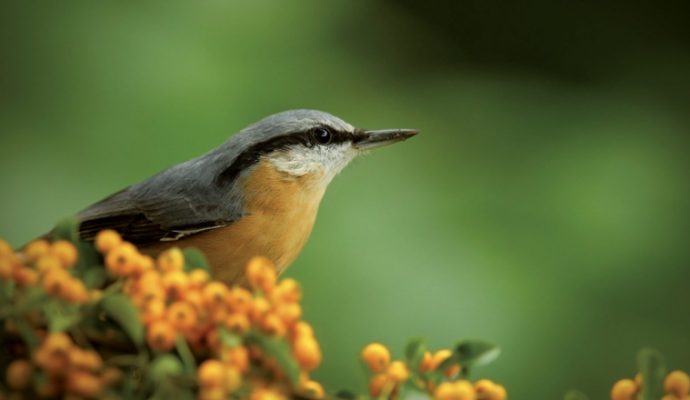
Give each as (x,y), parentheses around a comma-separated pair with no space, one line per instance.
(545,206)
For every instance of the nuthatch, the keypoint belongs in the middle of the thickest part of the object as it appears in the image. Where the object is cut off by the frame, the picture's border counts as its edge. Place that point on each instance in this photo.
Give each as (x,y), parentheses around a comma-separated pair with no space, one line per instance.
(256,194)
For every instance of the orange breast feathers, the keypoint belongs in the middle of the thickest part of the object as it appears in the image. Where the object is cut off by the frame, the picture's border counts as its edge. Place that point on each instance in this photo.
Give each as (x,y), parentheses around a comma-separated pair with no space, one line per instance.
(280,211)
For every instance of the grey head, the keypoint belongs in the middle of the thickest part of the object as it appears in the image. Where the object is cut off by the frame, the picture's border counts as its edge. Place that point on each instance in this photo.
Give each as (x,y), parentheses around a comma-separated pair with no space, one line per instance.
(205,192)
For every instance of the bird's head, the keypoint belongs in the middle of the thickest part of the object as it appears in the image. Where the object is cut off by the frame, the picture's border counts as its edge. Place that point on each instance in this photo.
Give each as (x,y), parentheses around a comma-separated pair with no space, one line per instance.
(306,142)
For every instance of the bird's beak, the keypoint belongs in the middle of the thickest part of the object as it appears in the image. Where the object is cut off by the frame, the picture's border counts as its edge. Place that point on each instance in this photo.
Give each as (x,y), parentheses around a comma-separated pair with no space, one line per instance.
(367,140)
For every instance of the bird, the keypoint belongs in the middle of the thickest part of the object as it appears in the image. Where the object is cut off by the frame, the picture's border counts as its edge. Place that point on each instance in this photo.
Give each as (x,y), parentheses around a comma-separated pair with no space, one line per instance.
(256,194)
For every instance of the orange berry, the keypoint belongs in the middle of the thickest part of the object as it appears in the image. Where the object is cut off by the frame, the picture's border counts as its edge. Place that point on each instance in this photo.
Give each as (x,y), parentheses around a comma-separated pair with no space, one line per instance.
(85,359)
(35,249)
(376,356)
(210,373)
(239,299)
(289,312)
(193,296)
(307,352)
(5,248)
(312,389)
(171,260)
(624,389)
(302,328)
(75,291)
(25,276)
(107,240)
(198,278)
(122,259)
(175,282)
(499,393)
(54,364)
(380,385)
(260,306)
(83,384)
(677,383)
(57,343)
(161,335)
(288,290)
(272,324)
(65,252)
(154,310)
(182,315)
(398,372)
(214,294)
(18,374)
(6,267)
(48,262)
(426,364)
(212,393)
(232,378)
(261,273)
(238,357)
(55,282)
(266,394)
(237,323)
(439,357)
(111,376)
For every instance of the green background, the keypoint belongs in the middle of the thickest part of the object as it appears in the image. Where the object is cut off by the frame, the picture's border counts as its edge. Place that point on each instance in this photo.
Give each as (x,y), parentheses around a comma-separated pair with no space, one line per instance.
(544,206)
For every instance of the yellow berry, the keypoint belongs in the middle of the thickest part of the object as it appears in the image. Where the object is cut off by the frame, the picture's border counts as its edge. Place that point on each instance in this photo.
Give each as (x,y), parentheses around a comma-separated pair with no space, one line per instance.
(161,335)
(677,383)
(237,323)
(289,312)
(25,276)
(18,374)
(238,357)
(5,248)
(380,385)
(214,294)
(48,262)
(624,389)
(272,324)
(37,248)
(312,389)
(65,252)
(398,372)
(302,328)
(175,282)
(261,273)
(121,260)
(232,378)
(107,240)
(83,384)
(288,290)
(239,300)
(55,282)
(307,352)
(266,394)
(171,260)
(210,374)
(198,278)
(182,315)
(260,306)
(376,356)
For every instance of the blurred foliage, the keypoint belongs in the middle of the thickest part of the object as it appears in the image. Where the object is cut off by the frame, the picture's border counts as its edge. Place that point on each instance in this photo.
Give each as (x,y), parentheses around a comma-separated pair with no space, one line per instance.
(545,205)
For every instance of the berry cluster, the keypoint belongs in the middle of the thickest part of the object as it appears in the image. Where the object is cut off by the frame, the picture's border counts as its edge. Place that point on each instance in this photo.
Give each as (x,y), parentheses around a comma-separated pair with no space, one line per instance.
(676,387)
(433,374)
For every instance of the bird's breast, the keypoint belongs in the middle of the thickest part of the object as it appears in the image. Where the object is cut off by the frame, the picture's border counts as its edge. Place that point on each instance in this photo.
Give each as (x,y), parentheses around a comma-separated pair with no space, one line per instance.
(280,210)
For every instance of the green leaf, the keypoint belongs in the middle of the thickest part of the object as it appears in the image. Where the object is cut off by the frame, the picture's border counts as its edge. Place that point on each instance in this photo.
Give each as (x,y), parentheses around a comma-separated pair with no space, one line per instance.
(194,259)
(188,361)
(94,277)
(651,364)
(471,352)
(575,395)
(120,308)
(280,351)
(164,366)
(59,318)
(228,339)
(67,229)
(414,352)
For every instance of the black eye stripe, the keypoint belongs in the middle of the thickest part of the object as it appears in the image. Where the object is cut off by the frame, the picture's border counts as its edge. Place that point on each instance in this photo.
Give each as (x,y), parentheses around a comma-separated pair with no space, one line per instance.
(252,155)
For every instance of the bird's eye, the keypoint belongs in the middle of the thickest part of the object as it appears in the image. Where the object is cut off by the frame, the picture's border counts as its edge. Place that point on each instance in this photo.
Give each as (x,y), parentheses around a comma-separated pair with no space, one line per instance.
(322,135)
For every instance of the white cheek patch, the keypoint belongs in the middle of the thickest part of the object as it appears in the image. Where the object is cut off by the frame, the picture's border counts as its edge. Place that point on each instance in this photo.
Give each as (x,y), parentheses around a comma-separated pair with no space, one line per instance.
(301,160)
